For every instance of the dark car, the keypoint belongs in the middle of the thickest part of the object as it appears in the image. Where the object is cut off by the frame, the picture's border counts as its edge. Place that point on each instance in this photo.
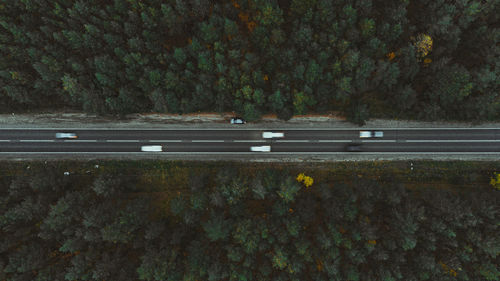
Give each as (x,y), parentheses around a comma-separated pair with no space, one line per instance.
(354,147)
(237,120)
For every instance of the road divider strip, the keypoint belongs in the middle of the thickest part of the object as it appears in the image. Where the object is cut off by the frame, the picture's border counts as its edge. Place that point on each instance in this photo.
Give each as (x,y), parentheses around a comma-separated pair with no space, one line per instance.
(267,153)
(232,127)
(264,141)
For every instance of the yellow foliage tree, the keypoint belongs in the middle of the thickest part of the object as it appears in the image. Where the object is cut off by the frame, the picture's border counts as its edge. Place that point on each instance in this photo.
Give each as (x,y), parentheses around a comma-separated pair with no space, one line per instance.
(423,42)
(306,180)
(495,181)
(300,177)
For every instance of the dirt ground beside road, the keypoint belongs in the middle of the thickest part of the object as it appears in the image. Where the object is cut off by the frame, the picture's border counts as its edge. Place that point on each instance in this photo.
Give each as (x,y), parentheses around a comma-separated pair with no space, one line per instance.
(208,120)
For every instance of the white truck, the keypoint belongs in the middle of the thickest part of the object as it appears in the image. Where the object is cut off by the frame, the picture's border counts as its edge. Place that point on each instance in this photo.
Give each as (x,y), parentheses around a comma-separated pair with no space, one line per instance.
(151,148)
(270,135)
(263,148)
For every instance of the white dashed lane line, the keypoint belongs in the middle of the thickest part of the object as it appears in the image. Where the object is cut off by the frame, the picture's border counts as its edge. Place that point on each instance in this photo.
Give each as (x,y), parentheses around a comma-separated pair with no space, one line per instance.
(36,140)
(378,141)
(207,140)
(124,141)
(334,140)
(452,140)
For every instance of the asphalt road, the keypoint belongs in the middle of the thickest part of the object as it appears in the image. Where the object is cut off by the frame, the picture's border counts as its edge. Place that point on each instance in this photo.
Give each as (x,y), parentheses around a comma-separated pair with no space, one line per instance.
(239,141)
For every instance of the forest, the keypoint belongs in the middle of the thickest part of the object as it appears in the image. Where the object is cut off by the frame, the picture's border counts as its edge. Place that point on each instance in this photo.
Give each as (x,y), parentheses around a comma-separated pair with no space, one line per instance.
(227,221)
(404,59)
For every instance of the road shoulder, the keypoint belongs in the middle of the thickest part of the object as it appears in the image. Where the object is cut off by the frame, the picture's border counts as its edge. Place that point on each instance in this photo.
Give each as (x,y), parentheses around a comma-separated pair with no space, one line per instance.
(210,120)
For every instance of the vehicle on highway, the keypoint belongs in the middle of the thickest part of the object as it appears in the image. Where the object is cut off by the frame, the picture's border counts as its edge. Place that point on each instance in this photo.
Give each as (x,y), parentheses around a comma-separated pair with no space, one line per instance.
(263,148)
(354,147)
(270,135)
(371,134)
(66,136)
(152,148)
(238,120)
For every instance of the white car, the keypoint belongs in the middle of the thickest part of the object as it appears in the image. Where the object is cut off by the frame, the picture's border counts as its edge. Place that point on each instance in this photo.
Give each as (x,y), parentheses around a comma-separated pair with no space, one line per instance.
(152,148)
(270,135)
(371,134)
(237,120)
(263,148)
(66,136)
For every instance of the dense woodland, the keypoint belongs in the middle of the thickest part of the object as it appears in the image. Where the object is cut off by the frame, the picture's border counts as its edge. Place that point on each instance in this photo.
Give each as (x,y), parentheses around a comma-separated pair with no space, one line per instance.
(243,223)
(417,59)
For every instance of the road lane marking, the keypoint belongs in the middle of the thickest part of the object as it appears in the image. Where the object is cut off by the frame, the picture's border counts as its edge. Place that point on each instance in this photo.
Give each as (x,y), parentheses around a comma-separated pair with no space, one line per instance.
(334,140)
(125,141)
(207,141)
(262,141)
(292,140)
(36,140)
(378,140)
(452,140)
(165,140)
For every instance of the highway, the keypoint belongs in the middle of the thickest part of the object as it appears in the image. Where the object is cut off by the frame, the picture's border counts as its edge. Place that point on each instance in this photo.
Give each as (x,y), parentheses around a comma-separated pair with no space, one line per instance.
(238,140)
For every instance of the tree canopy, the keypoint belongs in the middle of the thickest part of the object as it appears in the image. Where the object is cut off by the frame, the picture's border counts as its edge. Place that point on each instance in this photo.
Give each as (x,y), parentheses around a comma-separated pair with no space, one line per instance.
(244,223)
(397,59)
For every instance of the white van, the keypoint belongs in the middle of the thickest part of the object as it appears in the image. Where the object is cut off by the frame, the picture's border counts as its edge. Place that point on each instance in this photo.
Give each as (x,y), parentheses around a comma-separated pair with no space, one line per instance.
(66,136)
(270,135)
(152,148)
(371,134)
(263,148)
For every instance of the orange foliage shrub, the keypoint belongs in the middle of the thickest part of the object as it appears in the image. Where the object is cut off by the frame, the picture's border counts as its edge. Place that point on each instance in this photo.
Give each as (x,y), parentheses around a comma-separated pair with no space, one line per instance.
(235,4)
(319,265)
(447,269)
(243,17)
(251,25)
